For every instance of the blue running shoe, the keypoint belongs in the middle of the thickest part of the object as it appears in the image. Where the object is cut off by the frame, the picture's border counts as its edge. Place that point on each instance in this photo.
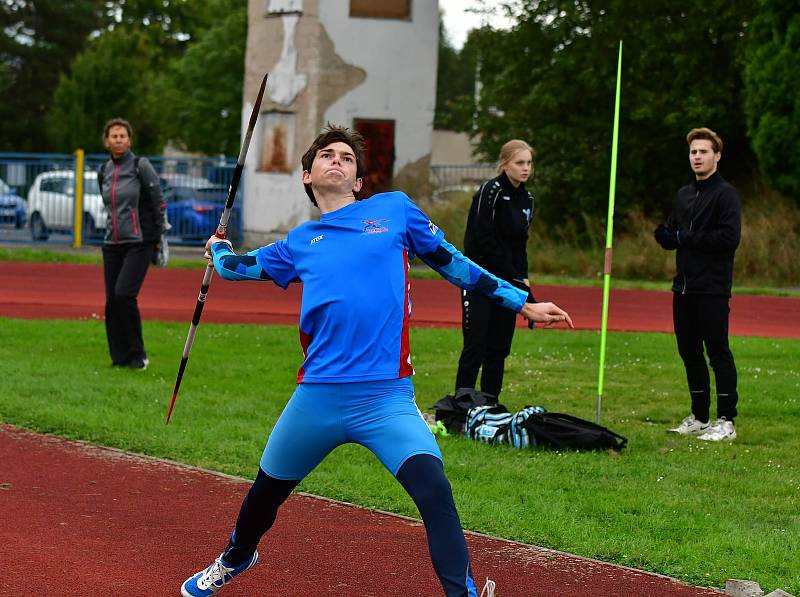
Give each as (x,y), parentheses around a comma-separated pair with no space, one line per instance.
(212,579)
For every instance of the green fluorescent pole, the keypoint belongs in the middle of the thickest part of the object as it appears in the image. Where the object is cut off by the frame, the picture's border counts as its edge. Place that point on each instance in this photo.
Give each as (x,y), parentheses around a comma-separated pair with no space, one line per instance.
(609,238)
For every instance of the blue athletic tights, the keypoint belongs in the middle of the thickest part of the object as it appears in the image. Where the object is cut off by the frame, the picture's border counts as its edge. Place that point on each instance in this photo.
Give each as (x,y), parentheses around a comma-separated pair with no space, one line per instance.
(422,476)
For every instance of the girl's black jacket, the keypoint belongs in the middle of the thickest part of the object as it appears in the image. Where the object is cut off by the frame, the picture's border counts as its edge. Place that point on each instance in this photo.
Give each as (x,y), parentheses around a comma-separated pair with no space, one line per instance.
(708,218)
(497,228)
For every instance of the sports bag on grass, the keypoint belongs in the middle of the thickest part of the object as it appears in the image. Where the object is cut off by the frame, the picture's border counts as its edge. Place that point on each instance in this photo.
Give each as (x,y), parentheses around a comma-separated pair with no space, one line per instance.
(452,409)
(488,424)
(519,435)
(560,431)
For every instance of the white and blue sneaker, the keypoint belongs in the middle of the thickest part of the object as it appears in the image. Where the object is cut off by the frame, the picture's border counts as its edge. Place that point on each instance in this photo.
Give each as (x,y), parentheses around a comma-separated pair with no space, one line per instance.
(212,579)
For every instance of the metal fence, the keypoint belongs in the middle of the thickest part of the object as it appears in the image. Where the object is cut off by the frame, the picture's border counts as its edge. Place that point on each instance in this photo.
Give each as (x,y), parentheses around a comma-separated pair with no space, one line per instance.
(451,178)
(37,197)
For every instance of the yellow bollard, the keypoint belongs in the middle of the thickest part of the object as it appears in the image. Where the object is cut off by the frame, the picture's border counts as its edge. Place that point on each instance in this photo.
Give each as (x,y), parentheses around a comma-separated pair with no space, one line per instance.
(77,235)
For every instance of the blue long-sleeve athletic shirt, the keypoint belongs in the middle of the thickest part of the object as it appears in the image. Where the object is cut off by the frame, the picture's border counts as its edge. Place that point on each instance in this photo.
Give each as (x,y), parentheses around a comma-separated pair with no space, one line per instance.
(353,264)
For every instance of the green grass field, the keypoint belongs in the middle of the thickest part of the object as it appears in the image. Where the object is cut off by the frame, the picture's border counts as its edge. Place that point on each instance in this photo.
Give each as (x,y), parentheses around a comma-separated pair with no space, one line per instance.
(702,513)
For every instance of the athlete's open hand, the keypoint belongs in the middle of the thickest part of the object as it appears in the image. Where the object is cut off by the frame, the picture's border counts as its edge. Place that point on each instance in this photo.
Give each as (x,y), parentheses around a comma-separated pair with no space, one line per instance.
(545,313)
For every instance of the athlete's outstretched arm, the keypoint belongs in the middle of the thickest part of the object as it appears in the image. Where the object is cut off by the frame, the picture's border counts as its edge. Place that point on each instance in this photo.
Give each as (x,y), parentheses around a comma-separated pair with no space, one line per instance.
(458,269)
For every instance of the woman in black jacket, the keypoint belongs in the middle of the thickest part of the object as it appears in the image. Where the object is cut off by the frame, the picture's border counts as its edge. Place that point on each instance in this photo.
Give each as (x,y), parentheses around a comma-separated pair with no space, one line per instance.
(496,239)
(136,221)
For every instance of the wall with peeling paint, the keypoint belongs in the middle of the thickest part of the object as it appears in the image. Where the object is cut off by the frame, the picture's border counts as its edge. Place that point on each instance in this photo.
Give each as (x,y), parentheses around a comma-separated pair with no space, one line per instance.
(326,66)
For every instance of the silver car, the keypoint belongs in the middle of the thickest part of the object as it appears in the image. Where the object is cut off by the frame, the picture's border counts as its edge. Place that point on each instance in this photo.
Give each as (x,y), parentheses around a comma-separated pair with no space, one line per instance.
(51,205)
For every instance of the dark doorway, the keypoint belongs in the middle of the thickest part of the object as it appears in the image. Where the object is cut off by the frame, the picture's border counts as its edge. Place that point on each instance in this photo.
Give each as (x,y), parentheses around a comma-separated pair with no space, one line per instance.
(386,9)
(379,155)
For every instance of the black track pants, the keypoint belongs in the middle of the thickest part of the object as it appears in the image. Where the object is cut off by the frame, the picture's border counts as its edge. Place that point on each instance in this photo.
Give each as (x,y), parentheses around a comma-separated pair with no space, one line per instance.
(423,477)
(124,269)
(488,330)
(257,515)
(701,321)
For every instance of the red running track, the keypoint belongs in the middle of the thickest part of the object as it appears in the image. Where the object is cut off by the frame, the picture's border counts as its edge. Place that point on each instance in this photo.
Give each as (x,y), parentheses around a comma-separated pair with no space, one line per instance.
(84,520)
(61,291)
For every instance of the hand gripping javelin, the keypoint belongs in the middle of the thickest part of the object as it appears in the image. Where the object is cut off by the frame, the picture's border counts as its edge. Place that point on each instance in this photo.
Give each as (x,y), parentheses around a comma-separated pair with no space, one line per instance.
(222,229)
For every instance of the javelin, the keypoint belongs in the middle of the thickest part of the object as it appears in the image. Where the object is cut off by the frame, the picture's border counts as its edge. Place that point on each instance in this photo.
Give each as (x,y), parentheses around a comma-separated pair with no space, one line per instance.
(609,237)
(222,229)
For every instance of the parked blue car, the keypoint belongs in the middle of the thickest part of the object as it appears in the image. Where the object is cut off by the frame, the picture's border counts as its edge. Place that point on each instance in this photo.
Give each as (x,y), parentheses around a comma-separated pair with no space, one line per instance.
(195,205)
(12,206)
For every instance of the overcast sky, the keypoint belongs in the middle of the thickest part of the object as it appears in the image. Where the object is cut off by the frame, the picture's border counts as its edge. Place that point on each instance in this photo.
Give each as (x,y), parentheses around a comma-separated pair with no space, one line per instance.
(458,22)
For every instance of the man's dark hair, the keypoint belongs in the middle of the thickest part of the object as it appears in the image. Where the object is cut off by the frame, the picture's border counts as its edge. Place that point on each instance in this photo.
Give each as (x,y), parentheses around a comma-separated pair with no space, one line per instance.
(117,122)
(334,134)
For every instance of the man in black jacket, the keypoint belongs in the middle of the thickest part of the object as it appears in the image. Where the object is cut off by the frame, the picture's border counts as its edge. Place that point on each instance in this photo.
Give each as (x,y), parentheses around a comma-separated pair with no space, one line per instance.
(705,229)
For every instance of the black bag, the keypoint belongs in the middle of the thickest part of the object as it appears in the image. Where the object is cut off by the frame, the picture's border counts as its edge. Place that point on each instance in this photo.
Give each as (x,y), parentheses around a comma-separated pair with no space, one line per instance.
(452,409)
(560,431)
(519,436)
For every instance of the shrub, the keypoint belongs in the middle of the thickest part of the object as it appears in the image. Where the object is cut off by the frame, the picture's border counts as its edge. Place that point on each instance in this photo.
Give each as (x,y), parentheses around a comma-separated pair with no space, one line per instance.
(766,255)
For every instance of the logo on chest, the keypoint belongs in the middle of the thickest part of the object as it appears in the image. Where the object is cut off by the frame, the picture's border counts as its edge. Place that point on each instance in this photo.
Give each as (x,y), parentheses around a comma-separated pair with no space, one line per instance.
(375,226)
(316,239)
(527,213)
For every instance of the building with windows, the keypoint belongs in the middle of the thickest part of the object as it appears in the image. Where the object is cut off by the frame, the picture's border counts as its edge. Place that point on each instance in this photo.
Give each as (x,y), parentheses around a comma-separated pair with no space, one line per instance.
(366,64)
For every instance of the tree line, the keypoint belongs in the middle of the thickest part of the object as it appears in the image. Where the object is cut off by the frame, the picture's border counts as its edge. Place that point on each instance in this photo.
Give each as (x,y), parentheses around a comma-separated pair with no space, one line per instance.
(730,65)
(174,68)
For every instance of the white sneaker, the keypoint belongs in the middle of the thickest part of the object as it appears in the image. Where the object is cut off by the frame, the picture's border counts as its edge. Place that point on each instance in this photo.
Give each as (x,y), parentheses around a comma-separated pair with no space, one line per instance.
(720,430)
(691,426)
(209,581)
(488,588)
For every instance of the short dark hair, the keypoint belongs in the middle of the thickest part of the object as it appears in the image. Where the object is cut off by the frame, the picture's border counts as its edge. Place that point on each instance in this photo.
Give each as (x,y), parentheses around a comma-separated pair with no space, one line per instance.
(705,134)
(334,134)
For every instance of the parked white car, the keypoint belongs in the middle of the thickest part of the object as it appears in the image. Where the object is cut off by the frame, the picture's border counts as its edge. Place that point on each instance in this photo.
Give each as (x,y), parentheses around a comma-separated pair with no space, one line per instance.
(51,205)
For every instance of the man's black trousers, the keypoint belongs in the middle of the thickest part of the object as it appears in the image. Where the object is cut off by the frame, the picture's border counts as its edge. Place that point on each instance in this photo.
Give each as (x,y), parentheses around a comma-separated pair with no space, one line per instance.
(488,330)
(124,268)
(701,321)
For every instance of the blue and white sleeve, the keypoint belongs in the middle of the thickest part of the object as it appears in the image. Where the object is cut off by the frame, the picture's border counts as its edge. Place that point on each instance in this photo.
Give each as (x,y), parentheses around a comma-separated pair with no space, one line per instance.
(458,269)
(231,266)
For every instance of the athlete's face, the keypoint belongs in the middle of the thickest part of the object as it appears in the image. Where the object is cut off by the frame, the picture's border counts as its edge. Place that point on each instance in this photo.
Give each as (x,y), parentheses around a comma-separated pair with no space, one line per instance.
(702,158)
(118,141)
(334,168)
(519,167)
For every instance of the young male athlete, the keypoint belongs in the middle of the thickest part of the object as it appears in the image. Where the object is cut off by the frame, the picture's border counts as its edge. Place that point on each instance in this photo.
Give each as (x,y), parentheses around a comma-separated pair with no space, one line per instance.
(705,229)
(355,377)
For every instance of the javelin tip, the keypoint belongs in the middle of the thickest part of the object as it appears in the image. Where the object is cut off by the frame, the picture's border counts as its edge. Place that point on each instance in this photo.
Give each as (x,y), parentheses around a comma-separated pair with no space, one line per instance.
(171,406)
